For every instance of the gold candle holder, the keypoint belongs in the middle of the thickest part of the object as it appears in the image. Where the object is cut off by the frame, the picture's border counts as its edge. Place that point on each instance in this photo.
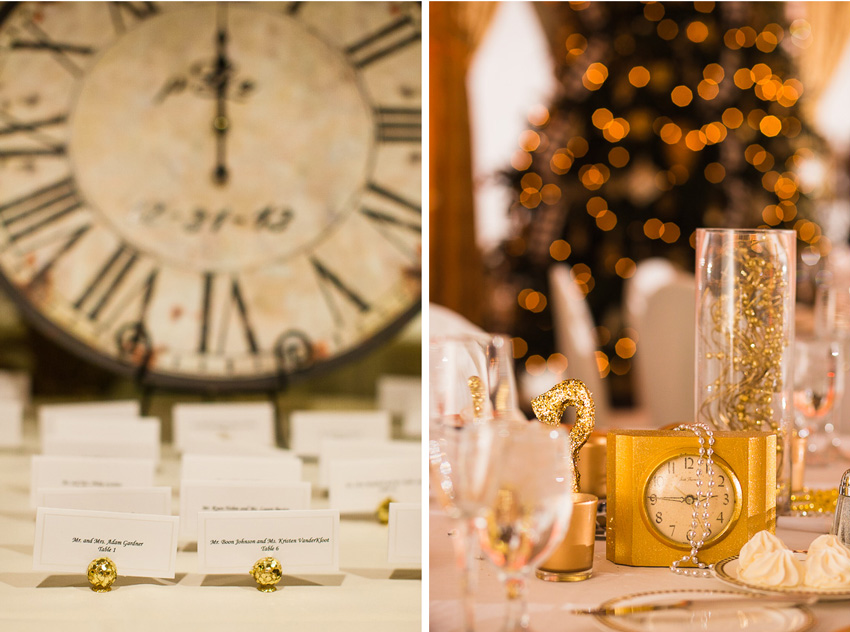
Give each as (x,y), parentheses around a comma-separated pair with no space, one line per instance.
(267,571)
(572,560)
(102,574)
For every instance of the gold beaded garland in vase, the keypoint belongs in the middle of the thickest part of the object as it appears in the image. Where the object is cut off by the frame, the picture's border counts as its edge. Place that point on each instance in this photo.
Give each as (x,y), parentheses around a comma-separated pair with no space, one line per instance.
(745,336)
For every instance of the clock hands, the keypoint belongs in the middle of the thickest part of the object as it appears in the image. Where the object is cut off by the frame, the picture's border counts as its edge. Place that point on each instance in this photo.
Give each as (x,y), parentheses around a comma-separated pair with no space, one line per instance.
(220,80)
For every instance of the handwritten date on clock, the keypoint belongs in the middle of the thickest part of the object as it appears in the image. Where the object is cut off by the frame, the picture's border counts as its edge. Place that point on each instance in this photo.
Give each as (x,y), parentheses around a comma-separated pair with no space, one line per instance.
(275,219)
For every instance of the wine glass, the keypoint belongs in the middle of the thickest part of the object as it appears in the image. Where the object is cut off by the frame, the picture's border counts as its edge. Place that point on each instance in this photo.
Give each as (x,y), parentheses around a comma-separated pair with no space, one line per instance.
(817,392)
(471,383)
(528,500)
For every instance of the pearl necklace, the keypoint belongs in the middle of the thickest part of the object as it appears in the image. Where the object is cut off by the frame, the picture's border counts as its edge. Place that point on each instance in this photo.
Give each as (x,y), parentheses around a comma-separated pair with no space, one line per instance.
(699,517)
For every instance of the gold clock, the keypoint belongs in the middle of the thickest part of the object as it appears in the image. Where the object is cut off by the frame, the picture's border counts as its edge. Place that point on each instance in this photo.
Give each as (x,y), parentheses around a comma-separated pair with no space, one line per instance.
(212,193)
(652,487)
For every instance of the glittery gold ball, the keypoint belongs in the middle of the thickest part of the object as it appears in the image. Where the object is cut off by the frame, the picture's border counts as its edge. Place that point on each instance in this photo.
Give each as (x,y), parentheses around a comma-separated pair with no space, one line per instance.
(383,511)
(102,574)
(267,572)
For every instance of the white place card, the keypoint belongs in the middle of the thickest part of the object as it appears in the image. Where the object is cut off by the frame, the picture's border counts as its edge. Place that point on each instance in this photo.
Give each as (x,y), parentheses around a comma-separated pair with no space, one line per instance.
(307,428)
(145,500)
(357,449)
(198,496)
(283,467)
(213,446)
(141,545)
(303,541)
(11,423)
(360,486)
(404,539)
(411,421)
(128,438)
(251,422)
(119,409)
(397,393)
(15,385)
(81,471)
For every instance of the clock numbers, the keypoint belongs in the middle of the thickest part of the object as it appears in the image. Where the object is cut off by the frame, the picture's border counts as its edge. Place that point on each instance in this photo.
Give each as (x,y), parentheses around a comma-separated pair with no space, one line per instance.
(133,11)
(36,210)
(329,280)
(399,125)
(395,217)
(33,131)
(393,37)
(106,281)
(62,51)
(215,323)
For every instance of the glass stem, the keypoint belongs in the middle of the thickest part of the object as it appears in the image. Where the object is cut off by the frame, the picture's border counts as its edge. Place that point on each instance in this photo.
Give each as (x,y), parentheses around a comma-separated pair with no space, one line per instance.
(466,551)
(516,617)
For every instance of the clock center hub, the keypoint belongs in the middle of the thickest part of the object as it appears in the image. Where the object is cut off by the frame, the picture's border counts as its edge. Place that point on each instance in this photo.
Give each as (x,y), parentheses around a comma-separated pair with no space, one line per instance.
(221,153)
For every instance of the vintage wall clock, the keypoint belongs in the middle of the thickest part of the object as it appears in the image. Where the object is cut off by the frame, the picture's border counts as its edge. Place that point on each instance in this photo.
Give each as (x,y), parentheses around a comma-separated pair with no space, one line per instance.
(220,193)
(652,486)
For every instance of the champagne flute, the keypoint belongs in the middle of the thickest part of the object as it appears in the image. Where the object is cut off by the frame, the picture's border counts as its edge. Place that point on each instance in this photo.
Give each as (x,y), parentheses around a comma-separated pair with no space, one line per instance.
(471,383)
(528,501)
(817,391)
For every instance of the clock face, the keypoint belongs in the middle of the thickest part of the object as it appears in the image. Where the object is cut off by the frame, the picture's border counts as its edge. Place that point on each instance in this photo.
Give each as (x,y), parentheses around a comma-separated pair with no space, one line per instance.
(212,192)
(670,492)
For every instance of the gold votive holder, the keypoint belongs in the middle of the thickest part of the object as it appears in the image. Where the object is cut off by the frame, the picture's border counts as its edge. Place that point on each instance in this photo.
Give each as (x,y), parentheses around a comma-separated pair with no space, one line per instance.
(572,560)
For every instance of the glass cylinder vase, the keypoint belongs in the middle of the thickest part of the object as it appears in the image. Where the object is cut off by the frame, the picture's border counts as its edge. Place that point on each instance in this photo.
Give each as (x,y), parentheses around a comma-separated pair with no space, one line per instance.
(745,336)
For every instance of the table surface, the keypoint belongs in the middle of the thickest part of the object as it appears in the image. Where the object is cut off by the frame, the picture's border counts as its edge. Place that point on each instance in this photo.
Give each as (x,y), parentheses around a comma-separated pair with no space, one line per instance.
(366,595)
(549,602)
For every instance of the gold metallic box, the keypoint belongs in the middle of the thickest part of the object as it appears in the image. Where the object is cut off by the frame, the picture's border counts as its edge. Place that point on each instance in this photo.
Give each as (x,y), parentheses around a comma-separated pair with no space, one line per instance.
(650,495)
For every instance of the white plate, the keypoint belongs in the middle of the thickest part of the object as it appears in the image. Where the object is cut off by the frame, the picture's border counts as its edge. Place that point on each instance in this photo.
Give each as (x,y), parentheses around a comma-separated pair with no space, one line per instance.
(727,572)
(749,617)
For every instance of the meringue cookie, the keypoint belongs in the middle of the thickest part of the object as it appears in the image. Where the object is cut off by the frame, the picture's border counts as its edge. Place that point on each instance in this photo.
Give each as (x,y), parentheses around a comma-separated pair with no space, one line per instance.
(828,563)
(828,541)
(776,568)
(761,543)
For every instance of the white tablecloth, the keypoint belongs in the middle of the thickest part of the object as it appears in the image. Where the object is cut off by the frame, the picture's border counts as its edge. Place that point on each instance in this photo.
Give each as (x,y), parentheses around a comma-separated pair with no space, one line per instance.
(367,595)
(549,603)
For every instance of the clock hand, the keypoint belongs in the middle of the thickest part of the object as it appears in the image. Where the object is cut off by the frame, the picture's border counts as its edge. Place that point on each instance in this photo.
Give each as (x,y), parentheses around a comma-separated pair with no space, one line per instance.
(221,80)
(678,499)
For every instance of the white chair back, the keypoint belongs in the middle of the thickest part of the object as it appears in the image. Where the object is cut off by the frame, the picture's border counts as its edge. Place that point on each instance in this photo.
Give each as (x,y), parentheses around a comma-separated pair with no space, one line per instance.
(575,337)
(662,310)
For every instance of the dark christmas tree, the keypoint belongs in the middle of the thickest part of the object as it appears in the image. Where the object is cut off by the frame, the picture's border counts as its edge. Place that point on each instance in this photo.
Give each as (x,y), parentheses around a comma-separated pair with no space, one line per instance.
(668,117)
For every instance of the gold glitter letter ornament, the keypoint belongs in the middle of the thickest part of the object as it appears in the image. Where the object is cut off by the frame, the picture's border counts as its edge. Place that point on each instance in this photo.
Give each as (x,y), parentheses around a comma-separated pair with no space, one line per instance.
(550,406)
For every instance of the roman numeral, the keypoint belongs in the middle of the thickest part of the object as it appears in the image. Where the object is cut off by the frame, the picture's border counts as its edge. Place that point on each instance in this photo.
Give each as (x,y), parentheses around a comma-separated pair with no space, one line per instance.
(61,51)
(220,319)
(387,40)
(396,218)
(328,282)
(39,209)
(32,131)
(41,276)
(107,281)
(399,125)
(137,289)
(14,127)
(133,11)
